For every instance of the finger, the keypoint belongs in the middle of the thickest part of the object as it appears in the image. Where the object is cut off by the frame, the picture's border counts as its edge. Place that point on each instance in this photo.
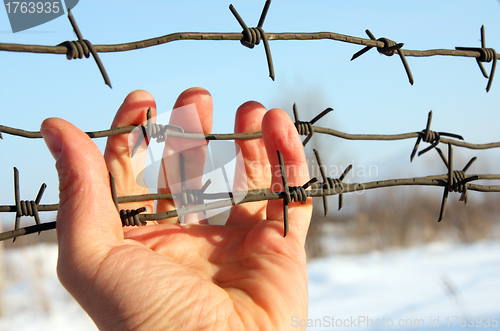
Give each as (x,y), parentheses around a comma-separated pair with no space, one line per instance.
(128,171)
(280,134)
(88,225)
(192,112)
(252,167)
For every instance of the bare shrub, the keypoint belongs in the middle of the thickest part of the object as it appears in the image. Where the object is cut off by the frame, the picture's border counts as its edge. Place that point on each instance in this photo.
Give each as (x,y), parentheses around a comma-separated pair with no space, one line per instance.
(395,219)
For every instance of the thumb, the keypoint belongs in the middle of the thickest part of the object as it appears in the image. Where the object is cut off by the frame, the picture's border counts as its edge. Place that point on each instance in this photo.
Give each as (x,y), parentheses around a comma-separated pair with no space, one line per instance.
(88,225)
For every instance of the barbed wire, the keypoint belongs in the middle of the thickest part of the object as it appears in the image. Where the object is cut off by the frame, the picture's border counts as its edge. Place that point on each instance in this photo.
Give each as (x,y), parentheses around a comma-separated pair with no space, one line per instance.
(152,130)
(316,190)
(250,37)
(454,181)
(193,201)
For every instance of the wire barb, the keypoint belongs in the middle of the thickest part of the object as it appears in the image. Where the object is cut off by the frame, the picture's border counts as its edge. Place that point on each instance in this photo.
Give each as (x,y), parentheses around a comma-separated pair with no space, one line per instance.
(253,36)
(190,196)
(177,132)
(389,49)
(431,137)
(457,180)
(306,128)
(129,217)
(82,47)
(486,55)
(252,196)
(25,207)
(194,196)
(291,193)
(249,37)
(330,183)
(152,131)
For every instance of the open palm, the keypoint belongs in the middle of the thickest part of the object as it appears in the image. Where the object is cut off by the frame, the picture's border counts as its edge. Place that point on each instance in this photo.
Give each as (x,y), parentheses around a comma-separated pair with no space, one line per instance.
(166,276)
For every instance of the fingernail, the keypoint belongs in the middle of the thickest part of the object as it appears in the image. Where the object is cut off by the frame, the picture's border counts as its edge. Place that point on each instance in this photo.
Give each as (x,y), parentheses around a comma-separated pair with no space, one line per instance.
(53,141)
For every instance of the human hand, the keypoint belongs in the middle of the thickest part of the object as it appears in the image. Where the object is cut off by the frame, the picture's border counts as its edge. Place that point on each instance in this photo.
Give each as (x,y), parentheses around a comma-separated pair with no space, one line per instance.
(241,276)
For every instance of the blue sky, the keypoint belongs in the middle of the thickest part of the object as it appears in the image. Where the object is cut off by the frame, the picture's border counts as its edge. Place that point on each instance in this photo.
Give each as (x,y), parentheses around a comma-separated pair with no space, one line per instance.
(369,95)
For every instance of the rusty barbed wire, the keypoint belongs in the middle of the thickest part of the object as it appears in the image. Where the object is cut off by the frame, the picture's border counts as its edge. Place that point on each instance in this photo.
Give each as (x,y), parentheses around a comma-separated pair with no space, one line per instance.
(153,130)
(26,208)
(390,48)
(329,183)
(188,196)
(82,47)
(290,194)
(193,201)
(250,37)
(127,216)
(487,55)
(316,190)
(307,128)
(431,137)
(457,181)
(303,128)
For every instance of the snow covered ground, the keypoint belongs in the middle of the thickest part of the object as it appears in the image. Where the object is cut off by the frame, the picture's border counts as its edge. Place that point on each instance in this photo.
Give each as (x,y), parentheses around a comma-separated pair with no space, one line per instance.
(33,298)
(408,289)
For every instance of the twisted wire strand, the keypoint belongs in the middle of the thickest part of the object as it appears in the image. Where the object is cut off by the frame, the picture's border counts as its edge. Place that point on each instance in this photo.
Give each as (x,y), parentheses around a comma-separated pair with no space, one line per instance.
(307,128)
(291,193)
(431,137)
(189,196)
(26,207)
(83,47)
(316,190)
(154,130)
(485,55)
(77,49)
(192,197)
(157,131)
(235,36)
(177,132)
(129,217)
(253,36)
(456,181)
(336,183)
(331,183)
(266,194)
(388,48)
(297,194)
(304,129)
(250,37)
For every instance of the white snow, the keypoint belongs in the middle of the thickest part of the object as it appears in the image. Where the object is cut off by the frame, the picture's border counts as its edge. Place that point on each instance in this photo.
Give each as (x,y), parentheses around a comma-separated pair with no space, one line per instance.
(33,298)
(424,283)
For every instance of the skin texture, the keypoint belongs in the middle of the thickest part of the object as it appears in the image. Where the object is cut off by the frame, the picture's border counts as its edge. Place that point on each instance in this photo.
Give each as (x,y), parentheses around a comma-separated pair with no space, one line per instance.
(241,276)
